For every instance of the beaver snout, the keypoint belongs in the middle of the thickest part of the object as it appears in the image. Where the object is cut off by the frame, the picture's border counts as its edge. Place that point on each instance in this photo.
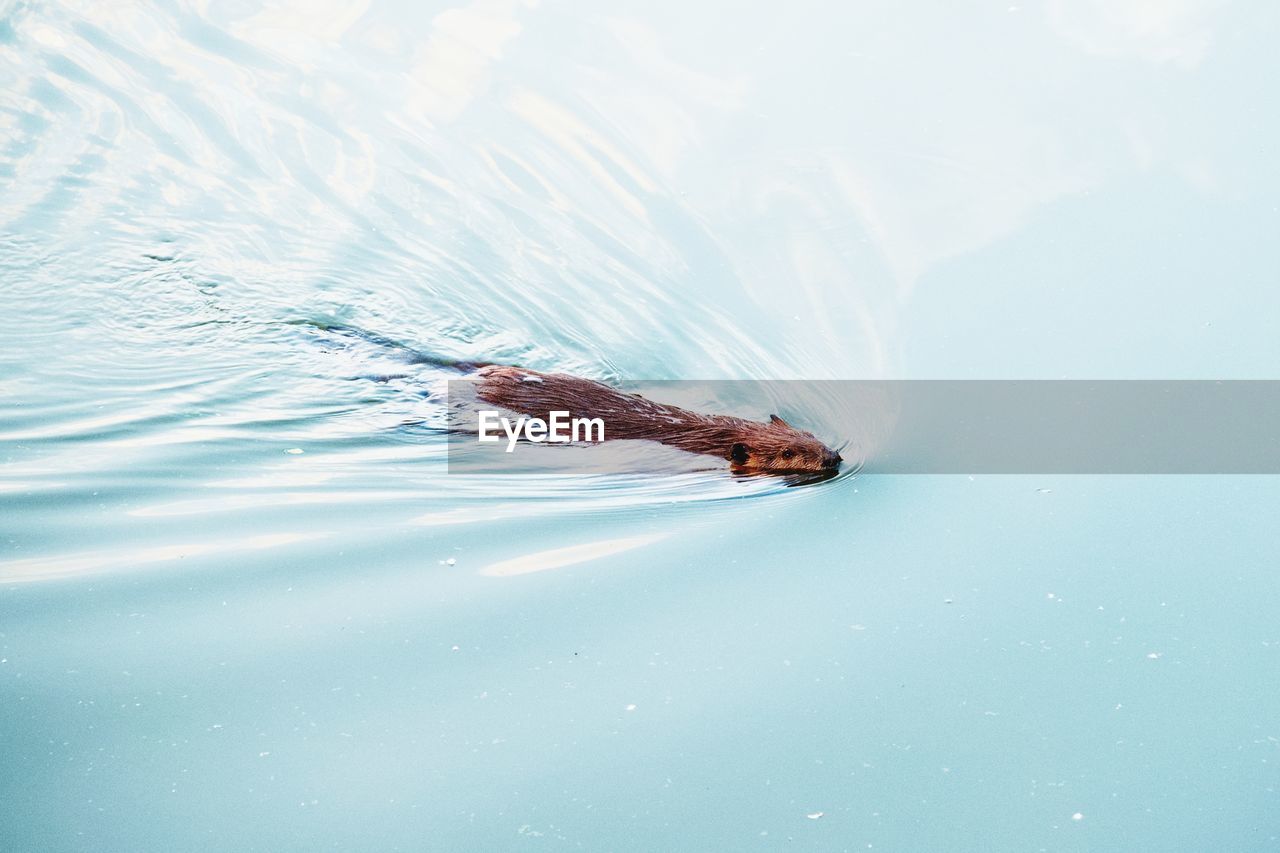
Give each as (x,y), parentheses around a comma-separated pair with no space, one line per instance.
(831,459)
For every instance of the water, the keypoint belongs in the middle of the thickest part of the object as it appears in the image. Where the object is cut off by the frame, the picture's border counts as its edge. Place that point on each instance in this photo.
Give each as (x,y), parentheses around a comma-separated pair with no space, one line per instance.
(211,641)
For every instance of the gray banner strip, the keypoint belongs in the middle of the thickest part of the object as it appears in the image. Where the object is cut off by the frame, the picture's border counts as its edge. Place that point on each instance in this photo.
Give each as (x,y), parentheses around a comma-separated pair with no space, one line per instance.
(1072,427)
(1012,427)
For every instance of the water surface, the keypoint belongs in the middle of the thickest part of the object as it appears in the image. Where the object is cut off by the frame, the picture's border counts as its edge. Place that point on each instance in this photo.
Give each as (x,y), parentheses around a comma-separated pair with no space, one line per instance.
(242,605)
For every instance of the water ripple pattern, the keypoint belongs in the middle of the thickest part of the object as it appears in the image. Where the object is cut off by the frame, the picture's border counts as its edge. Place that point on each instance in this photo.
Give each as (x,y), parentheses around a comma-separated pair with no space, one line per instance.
(191,195)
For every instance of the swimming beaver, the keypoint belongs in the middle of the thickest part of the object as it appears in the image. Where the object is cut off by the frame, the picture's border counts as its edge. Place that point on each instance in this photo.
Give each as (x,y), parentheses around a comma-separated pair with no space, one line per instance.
(749,446)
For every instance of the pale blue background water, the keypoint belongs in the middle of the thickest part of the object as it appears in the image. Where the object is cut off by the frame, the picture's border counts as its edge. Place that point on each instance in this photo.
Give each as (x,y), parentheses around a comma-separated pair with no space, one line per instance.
(208,642)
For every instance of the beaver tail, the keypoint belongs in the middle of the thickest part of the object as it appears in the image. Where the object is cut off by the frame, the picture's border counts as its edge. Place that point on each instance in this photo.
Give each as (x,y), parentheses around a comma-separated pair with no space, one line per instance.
(460,365)
(407,352)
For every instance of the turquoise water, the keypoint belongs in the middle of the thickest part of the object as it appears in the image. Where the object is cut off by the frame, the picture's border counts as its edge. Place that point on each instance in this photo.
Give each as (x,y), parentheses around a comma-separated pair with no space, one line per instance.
(243,605)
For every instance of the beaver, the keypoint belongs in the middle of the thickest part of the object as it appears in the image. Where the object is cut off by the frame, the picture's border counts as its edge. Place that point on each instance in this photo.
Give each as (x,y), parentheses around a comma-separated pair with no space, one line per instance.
(750,447)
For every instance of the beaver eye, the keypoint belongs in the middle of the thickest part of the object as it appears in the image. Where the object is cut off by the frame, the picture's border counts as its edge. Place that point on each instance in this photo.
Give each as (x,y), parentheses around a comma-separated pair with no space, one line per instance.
(788,453)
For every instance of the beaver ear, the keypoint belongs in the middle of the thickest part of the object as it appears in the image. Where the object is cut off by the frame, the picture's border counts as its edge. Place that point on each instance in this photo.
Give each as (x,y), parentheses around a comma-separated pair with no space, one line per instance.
(738,453)
(777,421)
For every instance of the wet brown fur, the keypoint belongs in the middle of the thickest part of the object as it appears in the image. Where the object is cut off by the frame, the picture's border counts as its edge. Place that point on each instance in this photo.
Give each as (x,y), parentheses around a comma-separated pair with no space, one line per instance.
(749,446)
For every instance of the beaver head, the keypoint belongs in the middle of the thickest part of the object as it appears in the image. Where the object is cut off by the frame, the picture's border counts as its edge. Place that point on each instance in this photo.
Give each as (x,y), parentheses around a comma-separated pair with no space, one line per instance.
(779,448)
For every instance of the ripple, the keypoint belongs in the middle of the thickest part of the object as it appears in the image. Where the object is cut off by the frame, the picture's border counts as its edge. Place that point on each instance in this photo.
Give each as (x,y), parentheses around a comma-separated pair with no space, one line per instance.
(192,200)
(89,562)
(555,558)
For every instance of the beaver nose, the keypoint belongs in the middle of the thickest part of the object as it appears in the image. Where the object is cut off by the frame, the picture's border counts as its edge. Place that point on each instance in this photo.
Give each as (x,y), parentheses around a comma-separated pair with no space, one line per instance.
(832,460)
